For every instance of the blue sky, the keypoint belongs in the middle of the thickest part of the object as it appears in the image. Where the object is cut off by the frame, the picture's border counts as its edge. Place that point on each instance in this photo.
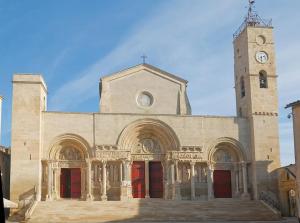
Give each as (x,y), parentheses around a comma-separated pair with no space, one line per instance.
(73,43)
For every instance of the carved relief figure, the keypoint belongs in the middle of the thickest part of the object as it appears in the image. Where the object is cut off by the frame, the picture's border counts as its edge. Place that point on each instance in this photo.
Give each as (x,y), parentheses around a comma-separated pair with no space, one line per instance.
(147,145)
(69,153)
(222,156)
(184,173)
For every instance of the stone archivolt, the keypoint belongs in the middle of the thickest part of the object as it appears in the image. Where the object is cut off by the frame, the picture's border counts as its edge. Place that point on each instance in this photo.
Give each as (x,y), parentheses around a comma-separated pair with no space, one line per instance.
(107,168)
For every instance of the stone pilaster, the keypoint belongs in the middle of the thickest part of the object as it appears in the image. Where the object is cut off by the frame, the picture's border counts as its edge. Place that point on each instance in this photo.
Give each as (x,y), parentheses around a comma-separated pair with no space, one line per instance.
(104,195)
(236,174)
(147,195)
(50,182)
(210,191)
(177,183)
(126,192)
(245,183)
(193,195)
(89,195)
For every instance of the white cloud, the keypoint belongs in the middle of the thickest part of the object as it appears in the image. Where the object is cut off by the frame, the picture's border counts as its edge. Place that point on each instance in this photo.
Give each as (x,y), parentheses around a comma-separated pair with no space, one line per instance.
(186,37)
(176,36)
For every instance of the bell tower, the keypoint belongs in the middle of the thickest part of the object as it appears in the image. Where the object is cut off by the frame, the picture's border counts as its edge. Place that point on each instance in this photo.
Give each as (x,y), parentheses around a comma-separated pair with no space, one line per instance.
(256,97)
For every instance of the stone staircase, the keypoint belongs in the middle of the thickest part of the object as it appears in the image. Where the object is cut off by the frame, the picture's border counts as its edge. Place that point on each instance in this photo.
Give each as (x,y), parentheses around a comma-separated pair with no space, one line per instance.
(151,210)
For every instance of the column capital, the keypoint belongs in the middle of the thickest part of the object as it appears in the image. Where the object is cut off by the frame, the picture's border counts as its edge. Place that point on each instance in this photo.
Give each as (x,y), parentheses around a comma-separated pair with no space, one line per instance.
(244,164)
(104,162)
(192,163)
(88,160)
(210,166)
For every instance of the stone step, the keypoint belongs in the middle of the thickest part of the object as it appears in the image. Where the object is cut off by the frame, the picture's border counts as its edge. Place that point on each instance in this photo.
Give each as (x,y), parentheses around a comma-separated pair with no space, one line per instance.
(151,210)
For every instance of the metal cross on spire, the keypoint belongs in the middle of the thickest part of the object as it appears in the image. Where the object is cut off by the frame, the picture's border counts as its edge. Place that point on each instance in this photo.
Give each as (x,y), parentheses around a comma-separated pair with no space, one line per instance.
(144,57)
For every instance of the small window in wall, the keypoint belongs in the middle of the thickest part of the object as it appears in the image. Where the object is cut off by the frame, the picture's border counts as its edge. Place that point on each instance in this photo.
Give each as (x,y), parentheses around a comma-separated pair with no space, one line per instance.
(243,92)
(263,79)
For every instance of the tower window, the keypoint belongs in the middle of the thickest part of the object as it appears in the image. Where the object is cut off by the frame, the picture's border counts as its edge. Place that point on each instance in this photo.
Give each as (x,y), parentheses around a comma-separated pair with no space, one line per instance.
(243,92)
(263,79)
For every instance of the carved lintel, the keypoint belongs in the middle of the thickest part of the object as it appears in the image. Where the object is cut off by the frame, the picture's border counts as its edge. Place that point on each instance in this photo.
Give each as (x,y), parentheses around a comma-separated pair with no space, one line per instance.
(147,156)
(186,156)
(112,155)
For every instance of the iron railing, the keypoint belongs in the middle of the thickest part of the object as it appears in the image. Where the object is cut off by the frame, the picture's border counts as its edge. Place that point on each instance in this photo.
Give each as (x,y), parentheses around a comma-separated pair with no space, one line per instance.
(270,200)
(253,21)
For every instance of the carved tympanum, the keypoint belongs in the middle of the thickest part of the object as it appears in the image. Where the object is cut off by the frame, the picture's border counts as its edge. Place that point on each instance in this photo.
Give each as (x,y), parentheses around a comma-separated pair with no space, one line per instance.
(69,153)
(147,146)
(222,155)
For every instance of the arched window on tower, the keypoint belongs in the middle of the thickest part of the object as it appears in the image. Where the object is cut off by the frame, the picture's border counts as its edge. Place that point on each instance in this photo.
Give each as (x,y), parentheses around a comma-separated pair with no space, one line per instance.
(243,92)
(263,79)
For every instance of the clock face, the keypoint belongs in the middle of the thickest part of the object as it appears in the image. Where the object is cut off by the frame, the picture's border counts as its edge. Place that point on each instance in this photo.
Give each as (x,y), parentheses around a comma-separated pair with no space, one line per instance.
(262,57)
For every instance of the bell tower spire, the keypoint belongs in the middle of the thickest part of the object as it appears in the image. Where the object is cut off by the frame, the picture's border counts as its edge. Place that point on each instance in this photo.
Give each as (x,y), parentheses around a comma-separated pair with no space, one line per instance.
(256,96)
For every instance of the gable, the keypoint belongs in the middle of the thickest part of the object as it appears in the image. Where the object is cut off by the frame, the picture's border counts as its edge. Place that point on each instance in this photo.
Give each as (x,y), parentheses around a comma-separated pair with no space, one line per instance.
(143,89)
(147,67)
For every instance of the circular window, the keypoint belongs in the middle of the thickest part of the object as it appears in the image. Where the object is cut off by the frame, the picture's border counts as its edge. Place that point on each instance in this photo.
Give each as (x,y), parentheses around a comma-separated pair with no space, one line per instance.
(261,40)
(145,99)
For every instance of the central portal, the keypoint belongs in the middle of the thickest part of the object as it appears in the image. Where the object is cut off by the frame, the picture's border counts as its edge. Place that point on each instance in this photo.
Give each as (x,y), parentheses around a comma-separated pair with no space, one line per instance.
(70,183)
(140,181)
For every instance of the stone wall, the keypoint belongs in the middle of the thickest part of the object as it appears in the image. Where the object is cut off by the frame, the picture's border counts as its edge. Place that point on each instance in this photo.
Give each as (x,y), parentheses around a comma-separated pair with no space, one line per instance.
(105,129)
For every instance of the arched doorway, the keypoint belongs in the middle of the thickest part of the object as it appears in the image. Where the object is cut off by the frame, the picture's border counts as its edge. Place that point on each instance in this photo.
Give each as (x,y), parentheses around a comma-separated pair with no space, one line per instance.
(229,169)
(148,140)
(70,176)
(68,168)
(222,176)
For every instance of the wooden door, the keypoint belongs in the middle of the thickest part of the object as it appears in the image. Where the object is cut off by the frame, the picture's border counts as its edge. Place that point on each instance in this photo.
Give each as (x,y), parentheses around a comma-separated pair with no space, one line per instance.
(138,179)
(222,184)
(75,183)
(65,183)
(155,180)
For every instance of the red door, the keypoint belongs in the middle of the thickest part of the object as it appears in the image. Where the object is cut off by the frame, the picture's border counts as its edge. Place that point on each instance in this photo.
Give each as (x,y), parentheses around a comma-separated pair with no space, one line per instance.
(138,179)
(65,181)
(70,183)
(155,180)
(75,183)
(222,184)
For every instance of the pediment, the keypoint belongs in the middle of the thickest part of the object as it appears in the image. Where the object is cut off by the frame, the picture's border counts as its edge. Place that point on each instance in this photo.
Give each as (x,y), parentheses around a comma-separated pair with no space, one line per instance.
(146,67)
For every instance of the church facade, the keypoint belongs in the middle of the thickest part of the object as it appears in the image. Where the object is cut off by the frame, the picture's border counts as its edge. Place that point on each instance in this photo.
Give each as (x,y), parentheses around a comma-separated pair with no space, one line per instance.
(144,142)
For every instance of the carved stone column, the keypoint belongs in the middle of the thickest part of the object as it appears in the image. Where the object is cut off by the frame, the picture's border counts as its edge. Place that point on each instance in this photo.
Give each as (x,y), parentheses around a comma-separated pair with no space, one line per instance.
(236,174)
(55,178)
(172,167)
(166,179)
(193,195)
(147,195)
(83,183)
(89,195)
(245,183)
(104,195)
(50,181)
(177,183)
(123,176)
(210,173)
(128,179)
(121,172)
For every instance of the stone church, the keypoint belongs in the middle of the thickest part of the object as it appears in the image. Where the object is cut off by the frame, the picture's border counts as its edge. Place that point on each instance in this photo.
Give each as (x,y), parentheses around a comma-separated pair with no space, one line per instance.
(144,142)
